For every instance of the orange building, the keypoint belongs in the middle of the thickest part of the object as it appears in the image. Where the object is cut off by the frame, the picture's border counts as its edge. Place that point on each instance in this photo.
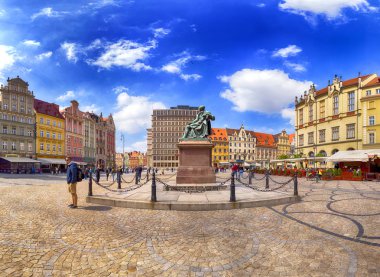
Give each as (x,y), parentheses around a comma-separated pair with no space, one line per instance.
(136,158)
(266,148)
(220,151)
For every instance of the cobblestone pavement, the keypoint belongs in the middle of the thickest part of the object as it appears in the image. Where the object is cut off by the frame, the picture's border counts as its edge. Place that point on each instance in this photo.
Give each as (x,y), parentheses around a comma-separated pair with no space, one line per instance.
(333,231)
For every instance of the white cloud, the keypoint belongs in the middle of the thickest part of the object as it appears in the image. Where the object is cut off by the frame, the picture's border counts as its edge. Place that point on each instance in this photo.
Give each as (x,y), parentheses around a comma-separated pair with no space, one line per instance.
(120,89)
(45,55)
(71,51)
(125,53)
(261,5)
(295,66)
(133,113)
(90,108)
(2,12)
(103,3)
(290,114)
(8,56)
(137,146)
(176,66)
(266,91)
(160,32)
(67,96)
(188,77)
(331,8)
(48,12)
(290,50)
(31,43)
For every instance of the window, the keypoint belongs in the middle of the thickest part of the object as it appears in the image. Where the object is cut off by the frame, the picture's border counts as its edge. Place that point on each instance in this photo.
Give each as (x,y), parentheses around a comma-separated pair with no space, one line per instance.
(13,130)
(48,147)
(22,109)
(310,137)
(14,107)
(322,135)
(41,134)
(5,145)
(54,147)
(335,133)
(377,91)
(59,136)
(311,112)
(5,130)
(53,135)
(47,134)
(350,131)
(300,140)
(371,120)
(5,117)
(13,118)
(54,123)
(335,105)
(22,146)
(29,133)
(41,146)
(368,93)
(22,98)
(13,146)
(30,147)
(59,124)
(59,148)
(41,120)
(351,101)
(48,121)
(301,116)
(322,106)
(371,137)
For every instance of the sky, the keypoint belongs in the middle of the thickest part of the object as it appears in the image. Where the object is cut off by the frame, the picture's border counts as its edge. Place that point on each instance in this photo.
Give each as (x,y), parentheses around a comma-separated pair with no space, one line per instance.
(245,60)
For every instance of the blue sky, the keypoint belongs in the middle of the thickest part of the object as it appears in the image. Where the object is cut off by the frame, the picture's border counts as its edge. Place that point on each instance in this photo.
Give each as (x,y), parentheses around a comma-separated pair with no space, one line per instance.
(244,59)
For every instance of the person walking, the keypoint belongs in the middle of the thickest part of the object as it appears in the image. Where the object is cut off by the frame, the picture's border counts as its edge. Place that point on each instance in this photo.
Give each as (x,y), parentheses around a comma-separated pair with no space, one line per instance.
(107,173)
(97,173)
(235,169)
(72,173)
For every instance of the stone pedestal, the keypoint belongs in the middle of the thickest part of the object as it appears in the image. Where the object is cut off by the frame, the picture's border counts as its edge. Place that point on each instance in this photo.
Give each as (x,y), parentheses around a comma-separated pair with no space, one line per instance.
(195,162)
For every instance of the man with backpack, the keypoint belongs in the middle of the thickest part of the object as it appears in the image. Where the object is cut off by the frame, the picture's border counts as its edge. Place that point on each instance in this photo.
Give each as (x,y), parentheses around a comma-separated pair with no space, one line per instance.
(72,179)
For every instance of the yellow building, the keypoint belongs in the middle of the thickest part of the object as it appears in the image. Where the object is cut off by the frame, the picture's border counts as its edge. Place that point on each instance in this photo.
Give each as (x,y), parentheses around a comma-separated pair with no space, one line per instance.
(371,113)
(282,141)
(50,134)
(220,155)
(336,117)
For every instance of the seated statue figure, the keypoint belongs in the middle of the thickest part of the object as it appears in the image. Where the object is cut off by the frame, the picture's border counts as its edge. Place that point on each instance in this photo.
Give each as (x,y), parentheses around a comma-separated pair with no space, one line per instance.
(200,127)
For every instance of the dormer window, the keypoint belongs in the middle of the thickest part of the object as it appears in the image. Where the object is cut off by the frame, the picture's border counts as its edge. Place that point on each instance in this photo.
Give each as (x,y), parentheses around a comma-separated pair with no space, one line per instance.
(335,104)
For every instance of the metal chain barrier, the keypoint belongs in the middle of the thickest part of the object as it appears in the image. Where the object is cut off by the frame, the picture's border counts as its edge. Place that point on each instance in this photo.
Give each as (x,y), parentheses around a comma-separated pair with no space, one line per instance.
(120,190)
(258,179)
(107,186)
(279,183)
(128,182)
(265,190)
(167,178)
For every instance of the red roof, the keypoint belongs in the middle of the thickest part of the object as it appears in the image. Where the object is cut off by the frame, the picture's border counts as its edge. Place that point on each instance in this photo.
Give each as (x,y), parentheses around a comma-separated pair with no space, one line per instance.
(347,83)
(218,134)
(47,108)
(266,140)
(291,138)
(373,82)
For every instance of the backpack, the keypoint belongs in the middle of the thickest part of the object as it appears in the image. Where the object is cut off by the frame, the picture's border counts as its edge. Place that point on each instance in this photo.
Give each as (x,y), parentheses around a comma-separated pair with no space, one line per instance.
(79,175)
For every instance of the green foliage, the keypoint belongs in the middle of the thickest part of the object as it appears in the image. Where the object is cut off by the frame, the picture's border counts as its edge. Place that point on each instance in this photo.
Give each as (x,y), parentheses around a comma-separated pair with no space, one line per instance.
(283,157)
(297,156)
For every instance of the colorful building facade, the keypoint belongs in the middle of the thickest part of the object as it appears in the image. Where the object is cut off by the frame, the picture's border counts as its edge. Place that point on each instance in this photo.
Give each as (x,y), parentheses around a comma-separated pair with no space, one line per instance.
(50,132)
(241,145)
(74,131)
(220,154)
(89,148)
(17,119)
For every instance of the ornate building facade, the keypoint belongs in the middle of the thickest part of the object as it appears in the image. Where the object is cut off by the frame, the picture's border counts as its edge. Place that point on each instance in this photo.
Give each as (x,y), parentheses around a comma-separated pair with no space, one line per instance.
(241,145)
(74,131)
(50,131)
(341,116)
(17,119)
(168,126)
(89,147)
(283,143)
(149,154)
(266,149)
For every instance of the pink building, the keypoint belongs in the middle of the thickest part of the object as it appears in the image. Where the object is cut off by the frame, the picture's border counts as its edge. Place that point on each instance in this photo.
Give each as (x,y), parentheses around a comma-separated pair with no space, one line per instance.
(74,131)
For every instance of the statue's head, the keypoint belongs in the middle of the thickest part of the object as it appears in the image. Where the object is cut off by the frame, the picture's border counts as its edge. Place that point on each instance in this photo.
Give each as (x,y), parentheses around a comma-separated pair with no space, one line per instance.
(201,108)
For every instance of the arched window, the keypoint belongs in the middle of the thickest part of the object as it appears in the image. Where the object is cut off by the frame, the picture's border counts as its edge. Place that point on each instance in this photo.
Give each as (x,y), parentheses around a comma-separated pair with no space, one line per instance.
(334,151)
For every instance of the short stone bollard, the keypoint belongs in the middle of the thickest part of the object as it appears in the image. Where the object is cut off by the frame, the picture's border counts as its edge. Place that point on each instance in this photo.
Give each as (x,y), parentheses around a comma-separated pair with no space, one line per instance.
(118,178)
(267,179)
(90,185)
(295,184)
(250,178)
(153,197)
(232,189)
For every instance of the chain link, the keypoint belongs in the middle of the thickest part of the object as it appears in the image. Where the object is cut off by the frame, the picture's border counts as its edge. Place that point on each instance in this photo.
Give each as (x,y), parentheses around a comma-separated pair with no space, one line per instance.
(169,187)
(264,190)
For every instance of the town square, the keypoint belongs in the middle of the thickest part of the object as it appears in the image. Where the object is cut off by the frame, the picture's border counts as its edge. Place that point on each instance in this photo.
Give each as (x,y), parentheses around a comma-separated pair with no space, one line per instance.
(189,138)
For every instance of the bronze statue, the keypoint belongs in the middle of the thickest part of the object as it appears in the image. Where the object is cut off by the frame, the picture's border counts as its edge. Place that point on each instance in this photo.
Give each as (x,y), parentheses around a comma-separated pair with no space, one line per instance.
(200,127)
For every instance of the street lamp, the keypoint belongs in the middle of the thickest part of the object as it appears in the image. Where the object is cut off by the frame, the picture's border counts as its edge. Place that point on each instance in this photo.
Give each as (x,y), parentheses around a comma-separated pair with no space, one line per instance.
(315,168)
(122,138)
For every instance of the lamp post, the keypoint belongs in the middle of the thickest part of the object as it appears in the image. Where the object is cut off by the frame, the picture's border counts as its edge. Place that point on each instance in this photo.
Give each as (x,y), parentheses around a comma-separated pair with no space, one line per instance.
(122,138)
(315,167)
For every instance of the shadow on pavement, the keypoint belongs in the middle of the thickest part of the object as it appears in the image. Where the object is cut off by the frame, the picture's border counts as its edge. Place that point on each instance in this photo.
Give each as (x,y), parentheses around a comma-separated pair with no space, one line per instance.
(97,208)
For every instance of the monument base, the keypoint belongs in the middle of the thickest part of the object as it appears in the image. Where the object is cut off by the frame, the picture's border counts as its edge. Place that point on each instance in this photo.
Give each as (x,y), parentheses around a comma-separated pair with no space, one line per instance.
(195,162)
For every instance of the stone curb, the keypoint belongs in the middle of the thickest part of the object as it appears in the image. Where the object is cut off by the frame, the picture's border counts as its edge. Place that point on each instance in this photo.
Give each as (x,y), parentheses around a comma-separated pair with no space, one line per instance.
(190,206)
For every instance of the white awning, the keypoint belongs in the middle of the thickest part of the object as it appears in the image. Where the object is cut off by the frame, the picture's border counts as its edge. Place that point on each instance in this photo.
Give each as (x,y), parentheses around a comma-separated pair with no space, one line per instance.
(19,160)
(354,155)
(80,163)
(52,161)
